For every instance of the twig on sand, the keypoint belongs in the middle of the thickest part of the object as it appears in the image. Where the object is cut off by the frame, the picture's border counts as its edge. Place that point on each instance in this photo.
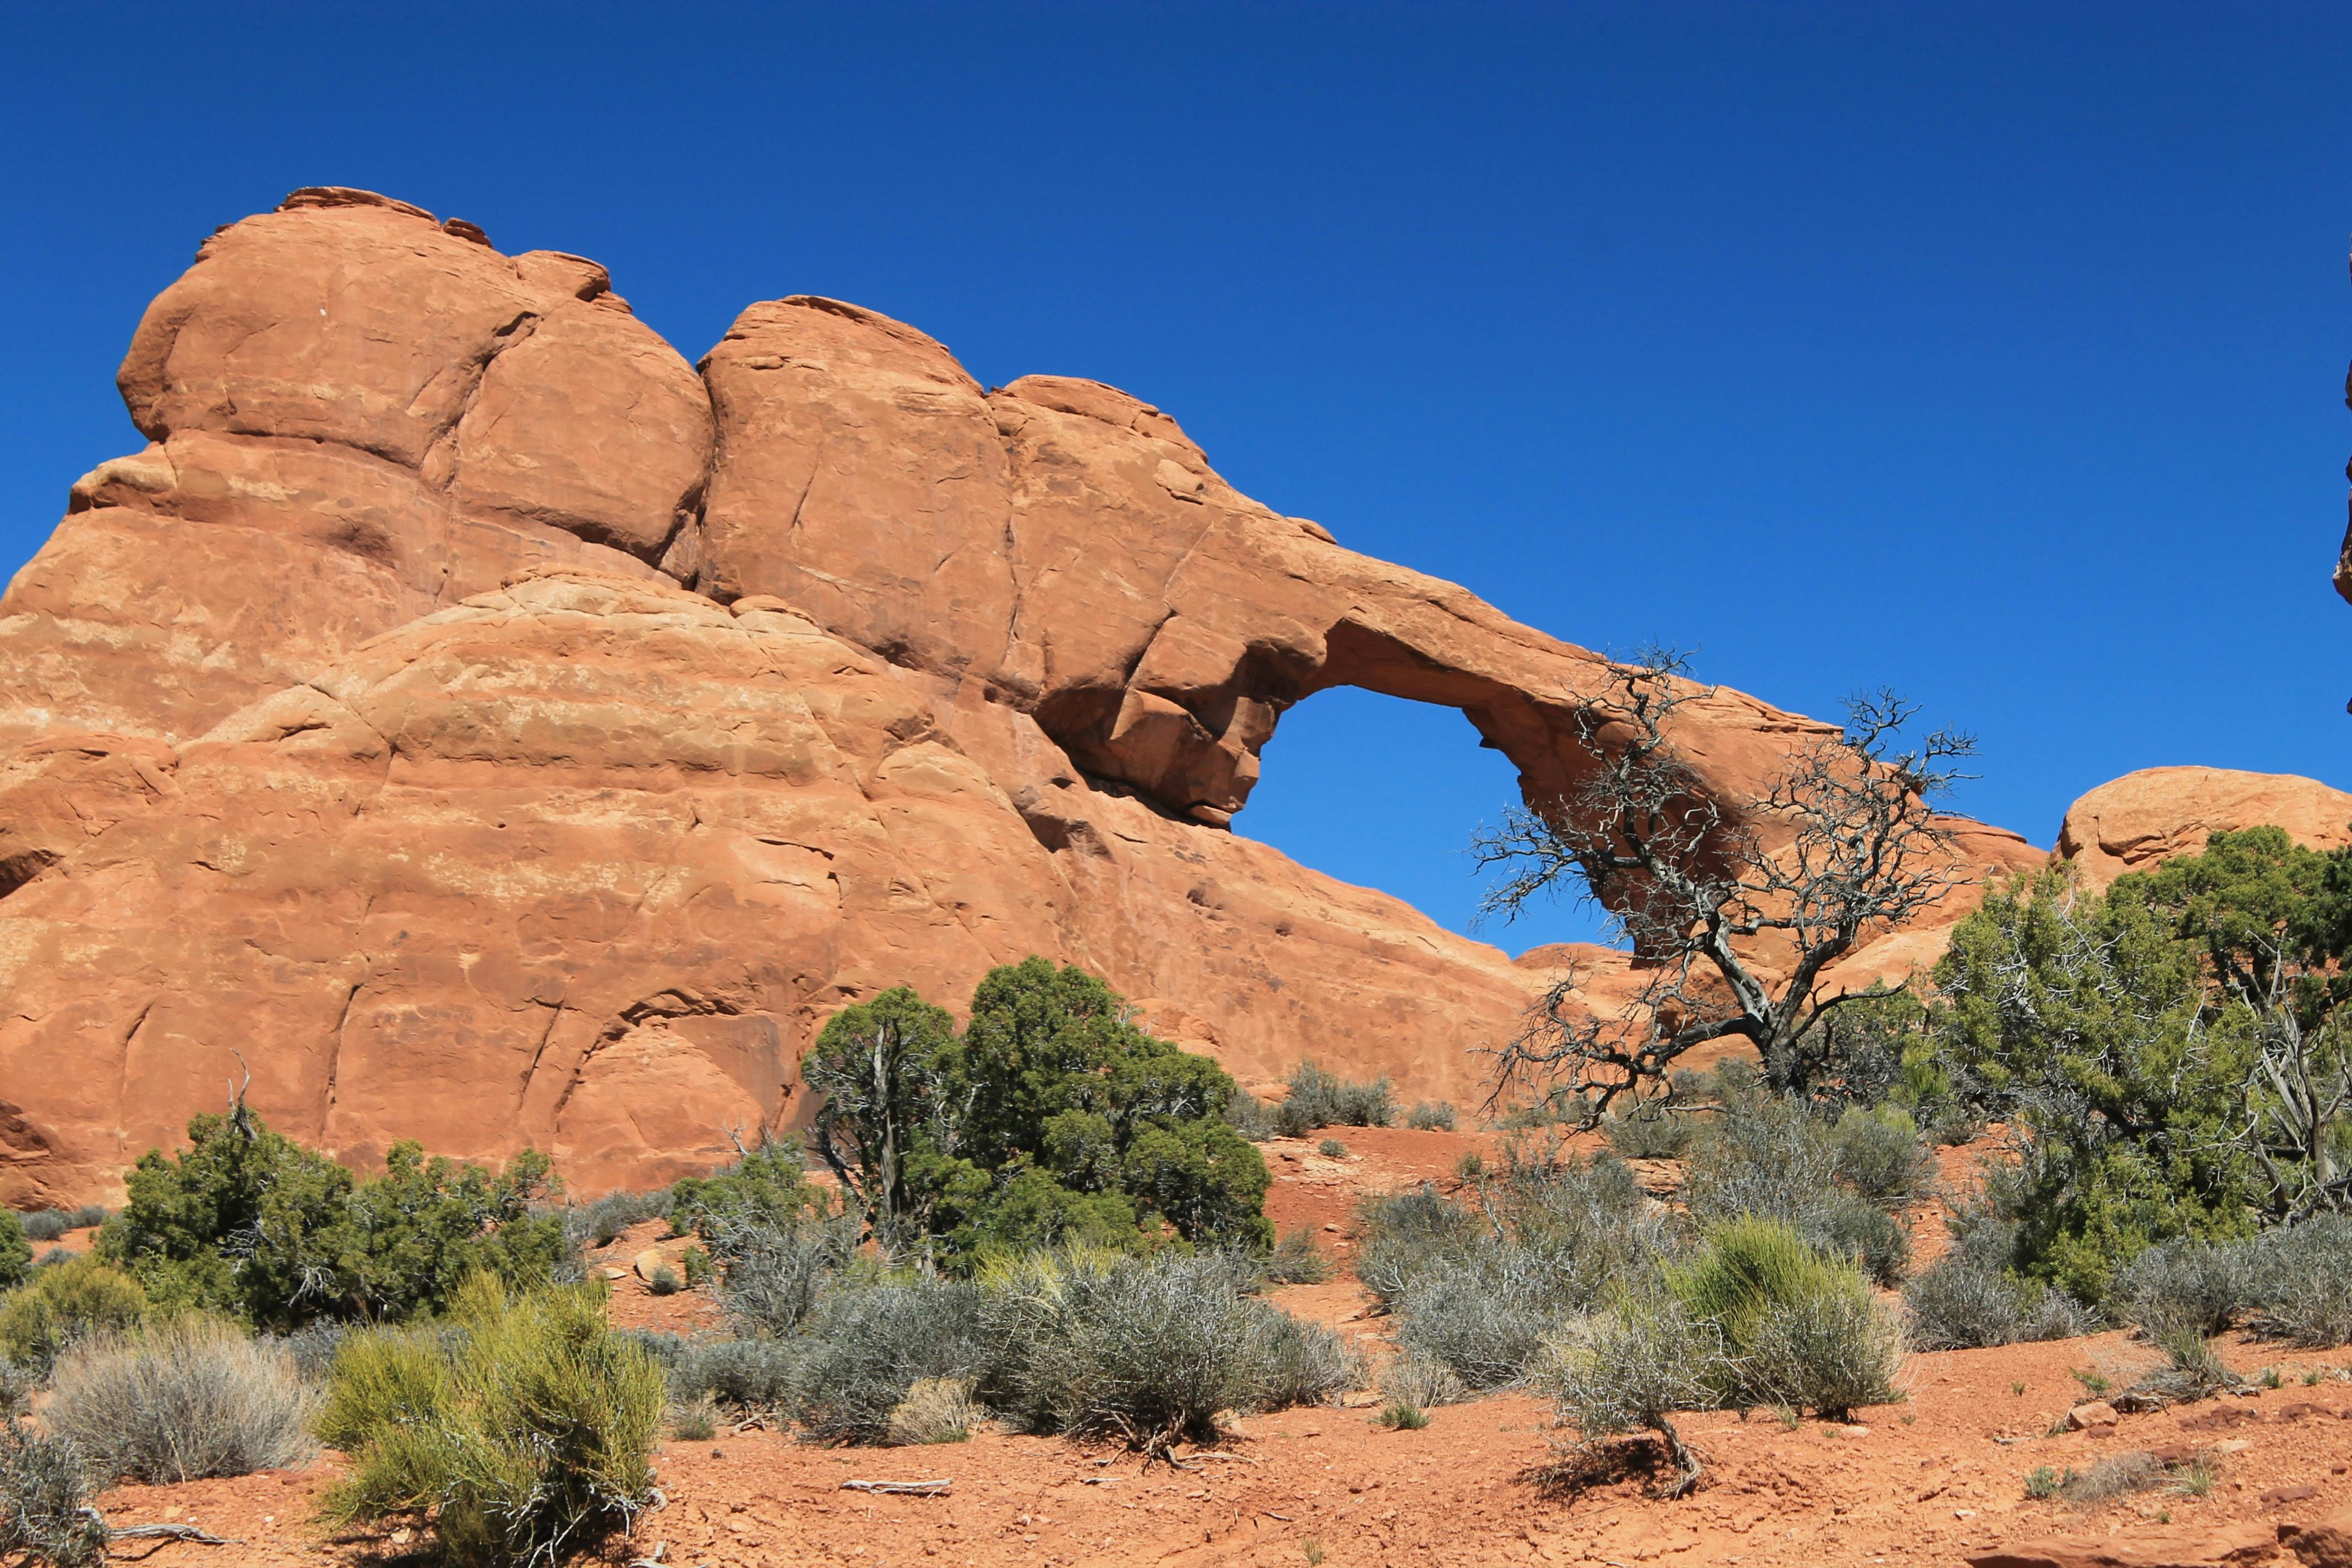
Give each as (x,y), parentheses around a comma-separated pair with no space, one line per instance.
(901,1488)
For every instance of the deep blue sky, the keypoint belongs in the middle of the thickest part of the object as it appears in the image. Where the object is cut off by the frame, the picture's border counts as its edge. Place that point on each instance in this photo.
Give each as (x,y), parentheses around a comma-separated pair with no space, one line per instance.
(1992,353)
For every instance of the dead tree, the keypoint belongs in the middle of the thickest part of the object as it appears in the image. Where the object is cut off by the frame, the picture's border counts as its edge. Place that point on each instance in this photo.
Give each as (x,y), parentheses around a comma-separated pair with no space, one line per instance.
(1845,843)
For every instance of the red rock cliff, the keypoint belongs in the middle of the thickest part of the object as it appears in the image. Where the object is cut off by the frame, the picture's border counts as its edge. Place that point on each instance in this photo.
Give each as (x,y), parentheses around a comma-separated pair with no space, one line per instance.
(488,730)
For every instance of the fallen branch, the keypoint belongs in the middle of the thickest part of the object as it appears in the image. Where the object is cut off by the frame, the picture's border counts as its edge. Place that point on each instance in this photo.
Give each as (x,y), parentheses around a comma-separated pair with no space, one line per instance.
(901,1488)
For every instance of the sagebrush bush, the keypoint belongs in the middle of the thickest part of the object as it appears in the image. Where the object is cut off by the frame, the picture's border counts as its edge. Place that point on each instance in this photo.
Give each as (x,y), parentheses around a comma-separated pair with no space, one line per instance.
(1148,1350)
(745,1374)
(1250,1116)
(1320,1099)
(1432,1116)
(1648,1133)
(1964,1301)
(313,1348)
(774,1271)
(49,1225)
(2302,1283)
(865,1349)
(45,1516)
(2185,1285)
(1479,1295)
(66,1302)
(187,1399)
(1773,1159)
(1299,1363)
(1633,1368)
(1798,1328)
(1405,1234)
(1828,1351)
(1879,1153)
(2118,1475)
(1297,1260)
(523,1438)
(600,1223)
(1484,1317)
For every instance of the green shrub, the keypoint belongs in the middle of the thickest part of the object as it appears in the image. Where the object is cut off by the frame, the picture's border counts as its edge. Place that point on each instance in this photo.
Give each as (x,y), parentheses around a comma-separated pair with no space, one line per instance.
(1402,1418)
(190,1398)
(249,1222)
(1432,1116)
(46,1515)
(64,1304)
(2091,1023)
(1633,1368)
(1053,1119)
(665,1281)
(1320,1099)
(768,1185)
(1799,1330)
(1332,1149)
(1297,1260)
(16,1251)
(527,1437)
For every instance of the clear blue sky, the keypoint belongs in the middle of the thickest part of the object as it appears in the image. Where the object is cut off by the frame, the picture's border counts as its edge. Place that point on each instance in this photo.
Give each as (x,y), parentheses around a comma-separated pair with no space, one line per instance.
(1992,353)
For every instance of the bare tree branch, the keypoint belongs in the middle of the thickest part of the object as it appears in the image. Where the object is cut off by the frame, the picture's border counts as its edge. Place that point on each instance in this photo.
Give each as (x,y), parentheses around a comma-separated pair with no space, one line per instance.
(1844,845)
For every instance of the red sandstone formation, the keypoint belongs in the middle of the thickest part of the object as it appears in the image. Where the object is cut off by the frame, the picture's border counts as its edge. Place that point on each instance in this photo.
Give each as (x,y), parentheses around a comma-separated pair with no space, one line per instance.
(2145,818)
(488,730)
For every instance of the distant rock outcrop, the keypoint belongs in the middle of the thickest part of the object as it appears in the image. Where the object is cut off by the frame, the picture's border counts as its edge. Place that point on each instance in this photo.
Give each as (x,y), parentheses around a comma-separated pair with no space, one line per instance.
(2146,818)
(486,728)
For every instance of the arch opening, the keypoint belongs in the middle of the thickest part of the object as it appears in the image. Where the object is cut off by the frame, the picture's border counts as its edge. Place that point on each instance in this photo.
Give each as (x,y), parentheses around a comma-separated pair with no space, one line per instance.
(1384,792)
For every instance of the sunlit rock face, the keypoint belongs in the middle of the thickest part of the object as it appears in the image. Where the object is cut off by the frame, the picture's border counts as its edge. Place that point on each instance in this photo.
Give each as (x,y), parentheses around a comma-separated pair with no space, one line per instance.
(478,725)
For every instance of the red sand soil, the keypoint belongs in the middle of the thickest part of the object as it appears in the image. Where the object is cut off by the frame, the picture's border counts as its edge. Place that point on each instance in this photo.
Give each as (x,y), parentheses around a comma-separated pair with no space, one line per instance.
(1932,1480)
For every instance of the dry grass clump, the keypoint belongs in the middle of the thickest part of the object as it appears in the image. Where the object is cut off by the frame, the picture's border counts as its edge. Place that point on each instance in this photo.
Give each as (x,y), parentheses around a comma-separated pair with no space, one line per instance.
(191,1398)
(1410,1380)
(936,1410)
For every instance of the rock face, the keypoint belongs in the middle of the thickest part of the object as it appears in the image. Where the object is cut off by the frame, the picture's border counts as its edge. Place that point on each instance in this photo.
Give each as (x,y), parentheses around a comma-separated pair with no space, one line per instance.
(483,727)
(2143,819)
